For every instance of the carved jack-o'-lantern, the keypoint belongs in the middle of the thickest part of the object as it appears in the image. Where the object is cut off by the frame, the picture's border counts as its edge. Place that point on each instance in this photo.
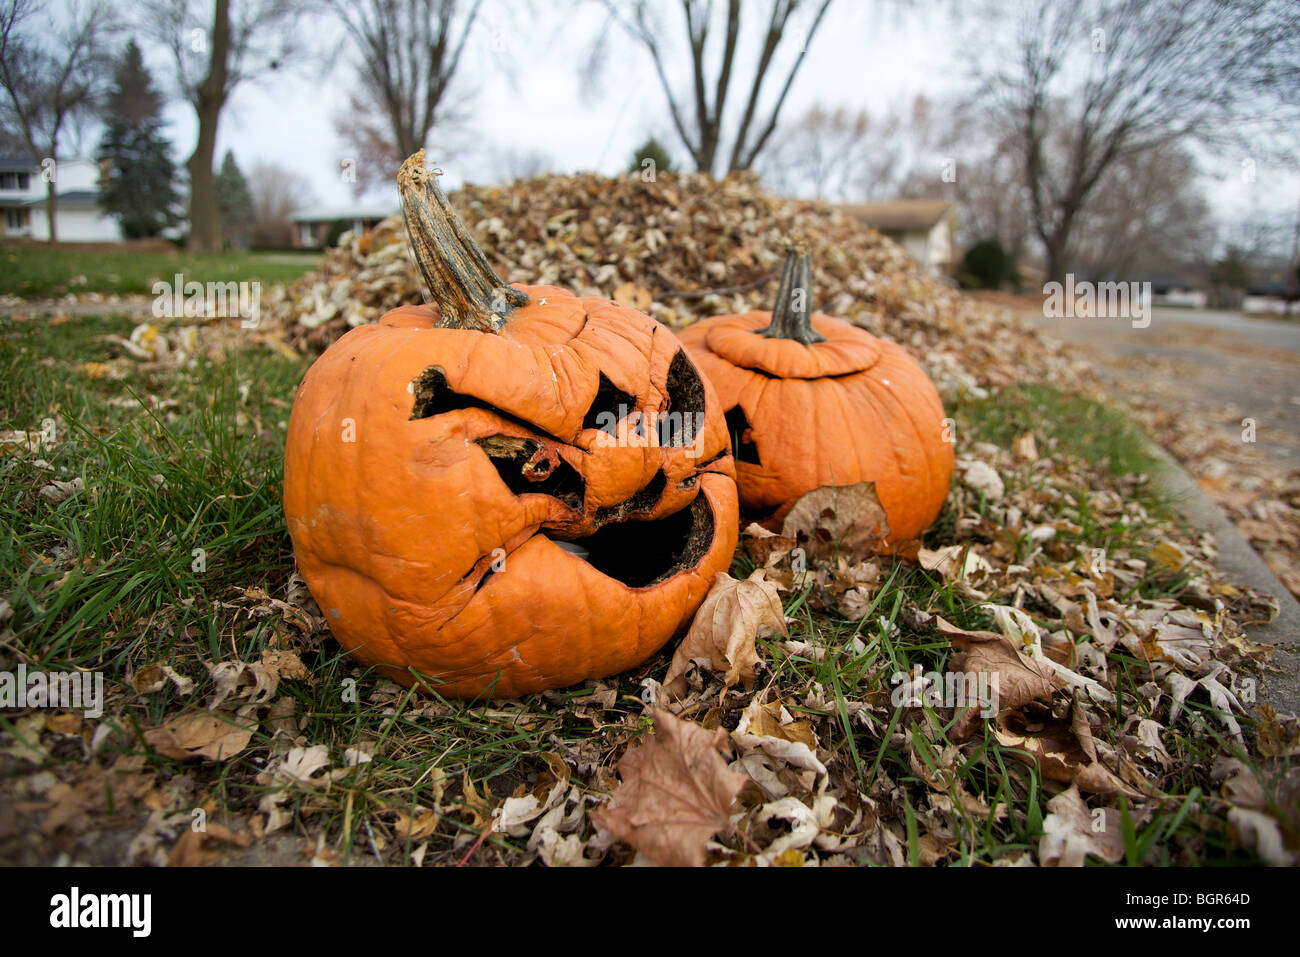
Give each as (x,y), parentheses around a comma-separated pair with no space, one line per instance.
(510,490)
(813,401)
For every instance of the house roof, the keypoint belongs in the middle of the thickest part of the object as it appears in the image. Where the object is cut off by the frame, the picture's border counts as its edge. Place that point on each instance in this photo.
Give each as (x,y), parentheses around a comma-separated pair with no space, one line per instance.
(328,214)
(73,197)
(901,214)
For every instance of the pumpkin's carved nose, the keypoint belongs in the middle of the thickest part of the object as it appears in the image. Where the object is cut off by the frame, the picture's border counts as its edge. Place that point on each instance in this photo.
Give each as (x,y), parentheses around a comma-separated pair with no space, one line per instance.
(617,473)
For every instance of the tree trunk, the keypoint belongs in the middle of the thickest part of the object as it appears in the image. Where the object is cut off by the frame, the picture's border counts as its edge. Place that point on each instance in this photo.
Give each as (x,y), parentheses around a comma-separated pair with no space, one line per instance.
(51,208)
(205,217)
(1056,259)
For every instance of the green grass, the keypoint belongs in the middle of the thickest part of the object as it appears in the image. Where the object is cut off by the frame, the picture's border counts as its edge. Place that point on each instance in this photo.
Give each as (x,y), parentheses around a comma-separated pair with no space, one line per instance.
(178,461)
(35,271)
(1078,425)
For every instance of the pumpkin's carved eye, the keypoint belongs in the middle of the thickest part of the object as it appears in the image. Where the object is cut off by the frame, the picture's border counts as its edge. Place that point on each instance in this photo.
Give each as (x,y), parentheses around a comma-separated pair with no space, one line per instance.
(609,408)
(683,414)
(742,436)
(435,396)
(527,469)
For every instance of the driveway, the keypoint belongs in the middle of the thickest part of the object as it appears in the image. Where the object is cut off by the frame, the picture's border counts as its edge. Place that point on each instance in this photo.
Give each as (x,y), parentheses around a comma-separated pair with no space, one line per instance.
(1216,367)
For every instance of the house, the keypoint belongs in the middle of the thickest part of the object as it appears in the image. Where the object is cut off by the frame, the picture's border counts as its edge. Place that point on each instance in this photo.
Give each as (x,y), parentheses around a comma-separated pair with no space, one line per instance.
(1271,294)
(923,227)
(78,216)
(312,226)
(1177,291)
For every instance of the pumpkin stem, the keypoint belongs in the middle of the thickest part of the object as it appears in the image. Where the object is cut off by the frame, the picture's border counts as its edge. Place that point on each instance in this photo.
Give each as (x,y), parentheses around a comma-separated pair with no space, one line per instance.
(791,316)
(462,282)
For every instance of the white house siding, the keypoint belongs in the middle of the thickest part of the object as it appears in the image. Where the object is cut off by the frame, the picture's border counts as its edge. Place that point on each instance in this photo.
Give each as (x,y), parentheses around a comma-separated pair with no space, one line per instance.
(77,225)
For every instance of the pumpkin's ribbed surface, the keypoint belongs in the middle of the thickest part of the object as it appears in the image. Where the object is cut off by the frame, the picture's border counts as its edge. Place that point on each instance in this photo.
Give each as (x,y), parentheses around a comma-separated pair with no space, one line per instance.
(851,409)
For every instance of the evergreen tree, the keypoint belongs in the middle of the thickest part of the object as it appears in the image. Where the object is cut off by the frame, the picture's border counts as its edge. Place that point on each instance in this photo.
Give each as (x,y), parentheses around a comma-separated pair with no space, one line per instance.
(234,202)
(651,149)
(138,183)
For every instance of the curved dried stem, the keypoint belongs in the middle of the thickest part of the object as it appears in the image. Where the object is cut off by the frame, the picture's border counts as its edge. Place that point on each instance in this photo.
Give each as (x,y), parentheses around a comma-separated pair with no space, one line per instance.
(461,281)
(792,314)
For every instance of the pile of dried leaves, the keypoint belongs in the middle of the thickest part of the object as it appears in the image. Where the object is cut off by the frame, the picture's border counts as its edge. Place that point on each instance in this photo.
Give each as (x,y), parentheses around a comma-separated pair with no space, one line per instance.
(680,248)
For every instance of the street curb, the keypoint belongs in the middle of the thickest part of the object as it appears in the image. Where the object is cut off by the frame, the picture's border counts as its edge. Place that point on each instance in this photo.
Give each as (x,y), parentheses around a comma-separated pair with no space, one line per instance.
(1241,564)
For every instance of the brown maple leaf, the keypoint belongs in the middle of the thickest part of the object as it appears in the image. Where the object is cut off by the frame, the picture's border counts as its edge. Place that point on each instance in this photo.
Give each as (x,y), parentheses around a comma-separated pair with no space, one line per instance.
(724,630)
(838,521)
(676,793)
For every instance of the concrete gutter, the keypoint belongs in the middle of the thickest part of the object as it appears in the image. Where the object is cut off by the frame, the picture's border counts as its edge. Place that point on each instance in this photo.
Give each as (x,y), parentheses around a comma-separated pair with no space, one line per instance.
(1241,564)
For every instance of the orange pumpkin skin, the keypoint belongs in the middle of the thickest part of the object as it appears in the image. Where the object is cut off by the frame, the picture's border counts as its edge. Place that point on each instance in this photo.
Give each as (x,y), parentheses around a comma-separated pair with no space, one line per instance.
(396,531)
(850,409)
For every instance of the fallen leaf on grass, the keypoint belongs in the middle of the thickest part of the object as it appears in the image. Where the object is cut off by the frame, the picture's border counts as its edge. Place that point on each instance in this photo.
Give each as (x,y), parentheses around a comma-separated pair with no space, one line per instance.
(724,630)
(1015,679)
(1072,832)
(982,479)
(57,491)
(676,793)
(1062,751)
(764,547)
(212,737)
(197,848)
(153,677)
(768,728)
(253,681)
(846,521)
(953,562)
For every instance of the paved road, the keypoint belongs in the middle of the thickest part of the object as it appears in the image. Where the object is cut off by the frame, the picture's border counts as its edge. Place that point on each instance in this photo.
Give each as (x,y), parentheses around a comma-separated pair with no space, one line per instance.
(1220,366)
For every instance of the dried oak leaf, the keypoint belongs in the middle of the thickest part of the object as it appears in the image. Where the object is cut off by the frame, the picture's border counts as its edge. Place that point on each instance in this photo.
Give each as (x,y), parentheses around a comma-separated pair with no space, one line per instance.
(676,793)
(1072,832)
(1062,751)
(724,630)
(213,737)
(1020,679)
(199,848)
(764,547)
(846,521)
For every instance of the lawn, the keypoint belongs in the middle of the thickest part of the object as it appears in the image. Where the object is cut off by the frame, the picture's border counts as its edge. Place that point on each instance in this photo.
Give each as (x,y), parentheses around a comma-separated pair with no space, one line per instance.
(37,271)
(170,570)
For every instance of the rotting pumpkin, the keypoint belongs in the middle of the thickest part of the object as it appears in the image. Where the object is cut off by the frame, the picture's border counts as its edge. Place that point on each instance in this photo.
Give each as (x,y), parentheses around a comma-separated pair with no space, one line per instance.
(510,489)
(813,401)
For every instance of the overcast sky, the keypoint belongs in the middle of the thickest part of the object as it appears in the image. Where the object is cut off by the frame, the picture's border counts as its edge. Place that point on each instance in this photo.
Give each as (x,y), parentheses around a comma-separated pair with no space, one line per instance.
(870,55)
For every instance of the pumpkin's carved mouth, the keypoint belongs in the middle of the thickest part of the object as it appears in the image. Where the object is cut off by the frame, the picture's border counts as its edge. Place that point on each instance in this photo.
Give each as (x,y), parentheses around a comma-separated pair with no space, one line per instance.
(644,553)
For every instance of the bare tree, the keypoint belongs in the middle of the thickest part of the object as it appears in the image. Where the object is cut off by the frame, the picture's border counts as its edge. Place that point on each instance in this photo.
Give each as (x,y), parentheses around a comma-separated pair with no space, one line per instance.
(277,192)
(1148,216)
(1116,78)
(409,51)
(51,76)
(214,51)
(700,123)
(839,156)
(821,154)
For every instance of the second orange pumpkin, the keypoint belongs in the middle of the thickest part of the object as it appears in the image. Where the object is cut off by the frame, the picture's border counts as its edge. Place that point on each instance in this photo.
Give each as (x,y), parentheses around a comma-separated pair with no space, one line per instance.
(813,401)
